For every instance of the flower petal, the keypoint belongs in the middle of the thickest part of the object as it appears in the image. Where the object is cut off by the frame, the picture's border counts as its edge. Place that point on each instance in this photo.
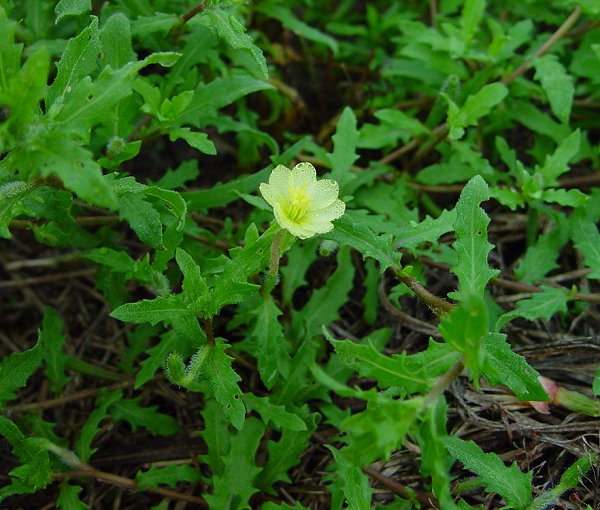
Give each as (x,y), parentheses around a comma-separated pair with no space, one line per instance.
(303,177)
(324,194)
(280,181)
(320,221)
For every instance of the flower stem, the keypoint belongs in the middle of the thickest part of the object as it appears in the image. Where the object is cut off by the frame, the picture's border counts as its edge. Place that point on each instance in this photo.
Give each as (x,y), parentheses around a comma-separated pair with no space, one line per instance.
(271,279)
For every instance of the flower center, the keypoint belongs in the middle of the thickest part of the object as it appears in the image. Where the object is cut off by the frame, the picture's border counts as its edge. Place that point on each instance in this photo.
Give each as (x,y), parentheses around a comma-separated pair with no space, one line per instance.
(299,202)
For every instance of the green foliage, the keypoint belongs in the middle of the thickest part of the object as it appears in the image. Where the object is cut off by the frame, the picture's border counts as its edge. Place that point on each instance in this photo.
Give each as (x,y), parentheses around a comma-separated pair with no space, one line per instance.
(511,483)
(134,136)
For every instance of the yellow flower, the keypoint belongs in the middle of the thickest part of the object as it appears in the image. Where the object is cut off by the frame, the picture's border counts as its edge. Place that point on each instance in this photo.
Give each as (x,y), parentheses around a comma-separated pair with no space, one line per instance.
(301,204)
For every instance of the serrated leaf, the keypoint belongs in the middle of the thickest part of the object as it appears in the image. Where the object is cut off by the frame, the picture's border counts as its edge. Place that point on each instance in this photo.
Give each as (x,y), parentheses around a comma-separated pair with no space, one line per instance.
(540,258)
(380,429)
(541,305)
(223,381)
(587,240)
(11,203)
(144,26)
(167,309)
(285,454)
(510,483)
(53,341)
(166,475)
(115,37)
(471,245)
(476,106)
(324,303)
(271,413)
(235,486)
(35,472)
(427,231)
(435,459)
(289,20)
(464,329)
(572,477)
(503,366)
(557,84)
(228,28)
(349,231)
(172,201)
(172,179)
(565,197)
(355,483)
(470,18)
(78,60)
(66,8)
(344,148)
(53,153)
(195,139)
(210,97)
(148,417)
(194,287)
(272,350)
(143,218)
(557,163)
(16,369)
(83,445)
(68,497)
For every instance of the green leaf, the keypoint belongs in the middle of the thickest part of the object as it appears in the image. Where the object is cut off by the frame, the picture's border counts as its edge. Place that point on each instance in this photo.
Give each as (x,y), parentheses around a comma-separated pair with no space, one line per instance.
(572,477)
(470,18)
(223,381)
(464,328)
(557,84)
(217,436)
(148,417)
(587,240)
(427,231)
(287,18)
(476,106)
(540,258)
(285,454)
(344,148)
(510,483)
(53,341)
(299,259)
(12,203)
(471,245)
(565,197)
(271,413)
(503,366)
(66,8)
(83,445)
(228,28)
(166,475)
(194,287)
(78,61)
(16,369)
(144,26)
(272,350)
(167,309)
(389,371)
(217,94)
(143,218)
(596,385)
(355,483)
(233,489)
(68,498)
(380,429)
(558,163)
(324,303)
(115,37)
(35,472)
(194,139)
(541,305)
(54,153)
(172,200)
(349,231)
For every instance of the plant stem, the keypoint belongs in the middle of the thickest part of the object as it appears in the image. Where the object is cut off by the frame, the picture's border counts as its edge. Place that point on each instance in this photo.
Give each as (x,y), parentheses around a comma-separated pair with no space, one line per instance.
(271,279)
(438,305)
